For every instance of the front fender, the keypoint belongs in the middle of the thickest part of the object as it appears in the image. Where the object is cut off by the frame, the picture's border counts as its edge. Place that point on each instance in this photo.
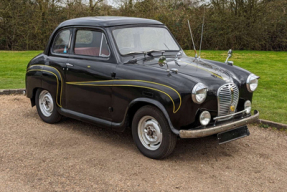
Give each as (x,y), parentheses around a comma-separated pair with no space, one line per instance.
(146,101)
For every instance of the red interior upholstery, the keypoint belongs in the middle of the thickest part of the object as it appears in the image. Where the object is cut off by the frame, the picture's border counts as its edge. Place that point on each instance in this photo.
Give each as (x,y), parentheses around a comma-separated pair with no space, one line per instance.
(59,50)
(93,51)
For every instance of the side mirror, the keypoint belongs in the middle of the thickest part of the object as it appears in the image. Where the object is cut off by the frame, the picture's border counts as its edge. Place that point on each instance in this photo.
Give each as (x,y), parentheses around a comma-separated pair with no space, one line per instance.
(230,53)
(178,55)
(228,56)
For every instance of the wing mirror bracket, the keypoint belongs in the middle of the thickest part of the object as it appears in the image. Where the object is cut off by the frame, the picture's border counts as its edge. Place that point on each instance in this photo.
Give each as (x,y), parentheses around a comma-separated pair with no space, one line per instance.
(229,56)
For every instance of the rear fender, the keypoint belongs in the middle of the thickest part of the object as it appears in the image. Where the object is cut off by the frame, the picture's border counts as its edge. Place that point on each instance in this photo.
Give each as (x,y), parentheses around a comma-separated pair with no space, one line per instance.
(45,77)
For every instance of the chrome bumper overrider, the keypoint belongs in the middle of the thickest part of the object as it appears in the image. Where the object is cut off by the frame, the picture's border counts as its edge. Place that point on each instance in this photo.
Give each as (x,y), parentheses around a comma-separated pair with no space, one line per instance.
(220,128)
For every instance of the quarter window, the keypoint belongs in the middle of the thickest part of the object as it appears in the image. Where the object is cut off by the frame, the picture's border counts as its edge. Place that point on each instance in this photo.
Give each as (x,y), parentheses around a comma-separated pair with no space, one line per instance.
(91,43)
(62,42)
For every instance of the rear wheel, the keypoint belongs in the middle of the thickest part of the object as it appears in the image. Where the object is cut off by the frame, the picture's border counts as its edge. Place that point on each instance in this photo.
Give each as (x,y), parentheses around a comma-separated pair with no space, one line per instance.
(152,134)
(46,106)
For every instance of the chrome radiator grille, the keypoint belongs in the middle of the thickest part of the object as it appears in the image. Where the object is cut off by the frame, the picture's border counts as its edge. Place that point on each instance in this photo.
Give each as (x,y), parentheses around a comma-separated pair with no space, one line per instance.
(227,96)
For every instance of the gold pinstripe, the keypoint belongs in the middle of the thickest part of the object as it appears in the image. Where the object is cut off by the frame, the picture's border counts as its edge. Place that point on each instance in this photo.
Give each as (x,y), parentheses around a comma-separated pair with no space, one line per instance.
(203,69)
(113,85)
(57,82)
(60,105)
(82,84)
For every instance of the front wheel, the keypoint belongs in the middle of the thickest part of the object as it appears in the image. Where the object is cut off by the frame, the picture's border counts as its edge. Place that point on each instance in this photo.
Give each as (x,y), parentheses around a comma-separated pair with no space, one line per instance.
(152,134)
(46,106)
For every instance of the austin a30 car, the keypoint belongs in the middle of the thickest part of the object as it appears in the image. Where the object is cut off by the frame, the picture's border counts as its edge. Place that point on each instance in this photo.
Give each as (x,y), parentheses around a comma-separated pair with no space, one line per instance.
(121,72)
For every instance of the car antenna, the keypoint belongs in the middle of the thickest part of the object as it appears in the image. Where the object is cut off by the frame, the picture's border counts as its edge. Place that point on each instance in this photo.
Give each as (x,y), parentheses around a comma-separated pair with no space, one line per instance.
(201,33)
(192,39)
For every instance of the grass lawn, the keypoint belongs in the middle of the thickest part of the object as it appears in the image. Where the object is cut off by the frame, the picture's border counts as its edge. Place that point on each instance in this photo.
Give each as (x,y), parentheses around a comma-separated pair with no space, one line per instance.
(270,98)
(13,66)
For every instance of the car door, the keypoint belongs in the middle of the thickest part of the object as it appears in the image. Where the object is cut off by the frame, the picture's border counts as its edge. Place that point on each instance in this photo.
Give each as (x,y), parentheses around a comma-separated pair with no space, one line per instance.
(91,62)
(57,58)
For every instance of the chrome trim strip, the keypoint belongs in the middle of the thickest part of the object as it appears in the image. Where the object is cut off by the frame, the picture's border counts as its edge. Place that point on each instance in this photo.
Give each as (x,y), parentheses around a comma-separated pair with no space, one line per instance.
(217,129)
(230,115)
(100,52)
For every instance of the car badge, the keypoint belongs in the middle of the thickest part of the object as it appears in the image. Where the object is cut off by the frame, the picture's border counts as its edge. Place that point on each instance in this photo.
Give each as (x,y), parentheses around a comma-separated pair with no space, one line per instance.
(232,90)
(232,95)
(232,108)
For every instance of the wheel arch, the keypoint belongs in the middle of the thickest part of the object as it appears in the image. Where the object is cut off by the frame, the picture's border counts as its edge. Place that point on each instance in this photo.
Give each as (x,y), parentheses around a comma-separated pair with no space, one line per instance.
(136,104)
(33,96)
(44,77)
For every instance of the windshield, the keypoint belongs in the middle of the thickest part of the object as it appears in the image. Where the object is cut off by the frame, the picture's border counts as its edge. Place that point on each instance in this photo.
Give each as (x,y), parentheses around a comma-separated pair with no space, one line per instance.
(139,39)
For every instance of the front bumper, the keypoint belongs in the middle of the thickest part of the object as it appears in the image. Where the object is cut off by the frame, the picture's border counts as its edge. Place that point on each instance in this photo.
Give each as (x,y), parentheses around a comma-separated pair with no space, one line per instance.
(217,129)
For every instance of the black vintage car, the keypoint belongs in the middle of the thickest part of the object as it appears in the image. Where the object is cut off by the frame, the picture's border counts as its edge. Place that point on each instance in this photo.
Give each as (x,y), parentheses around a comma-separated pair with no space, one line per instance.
(119,72)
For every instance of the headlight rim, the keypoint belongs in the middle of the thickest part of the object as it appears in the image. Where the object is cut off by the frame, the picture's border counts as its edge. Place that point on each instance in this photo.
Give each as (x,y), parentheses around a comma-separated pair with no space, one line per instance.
(196,88)
(250,78)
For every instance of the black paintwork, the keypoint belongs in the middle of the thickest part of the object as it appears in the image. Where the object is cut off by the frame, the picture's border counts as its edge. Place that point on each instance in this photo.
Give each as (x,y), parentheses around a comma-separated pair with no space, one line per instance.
(108,91)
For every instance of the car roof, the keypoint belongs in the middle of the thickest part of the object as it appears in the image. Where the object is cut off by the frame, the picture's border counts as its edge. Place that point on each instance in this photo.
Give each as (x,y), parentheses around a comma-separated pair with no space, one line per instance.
(108,21)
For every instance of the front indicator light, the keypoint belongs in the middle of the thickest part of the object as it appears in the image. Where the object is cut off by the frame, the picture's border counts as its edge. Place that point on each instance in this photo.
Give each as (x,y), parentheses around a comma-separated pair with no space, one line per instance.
(204,118)
(247,106)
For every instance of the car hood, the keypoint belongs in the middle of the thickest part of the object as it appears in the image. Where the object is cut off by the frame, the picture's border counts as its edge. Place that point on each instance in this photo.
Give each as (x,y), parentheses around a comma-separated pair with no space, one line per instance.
(200,70)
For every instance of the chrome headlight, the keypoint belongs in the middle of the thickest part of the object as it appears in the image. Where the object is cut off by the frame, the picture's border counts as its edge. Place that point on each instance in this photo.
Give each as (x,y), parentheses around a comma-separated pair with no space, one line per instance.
(252,82)
(199,93)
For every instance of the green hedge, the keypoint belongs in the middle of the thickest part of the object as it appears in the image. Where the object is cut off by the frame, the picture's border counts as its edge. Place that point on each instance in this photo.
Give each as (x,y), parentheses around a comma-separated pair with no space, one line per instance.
(240,24)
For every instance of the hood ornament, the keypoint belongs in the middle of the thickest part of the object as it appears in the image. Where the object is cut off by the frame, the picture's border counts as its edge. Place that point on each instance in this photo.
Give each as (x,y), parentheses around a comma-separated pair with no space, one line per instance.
(162,61)
(229,56)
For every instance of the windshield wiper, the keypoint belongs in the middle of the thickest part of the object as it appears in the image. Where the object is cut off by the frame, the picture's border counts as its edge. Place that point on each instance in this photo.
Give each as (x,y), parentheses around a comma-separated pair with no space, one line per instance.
(136,52)
(145,52)
(134,60)
(153,50)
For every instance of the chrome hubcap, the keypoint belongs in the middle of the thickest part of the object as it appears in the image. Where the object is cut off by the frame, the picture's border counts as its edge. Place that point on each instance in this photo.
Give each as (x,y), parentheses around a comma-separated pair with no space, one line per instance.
(46,103)
(149,132)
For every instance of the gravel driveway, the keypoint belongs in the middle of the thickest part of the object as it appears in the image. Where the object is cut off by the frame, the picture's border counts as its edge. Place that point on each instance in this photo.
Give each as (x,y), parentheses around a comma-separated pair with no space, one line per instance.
(76,156)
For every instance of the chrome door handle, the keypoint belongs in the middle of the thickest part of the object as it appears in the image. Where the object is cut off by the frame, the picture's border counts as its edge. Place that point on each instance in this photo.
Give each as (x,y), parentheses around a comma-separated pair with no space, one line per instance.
(69,65)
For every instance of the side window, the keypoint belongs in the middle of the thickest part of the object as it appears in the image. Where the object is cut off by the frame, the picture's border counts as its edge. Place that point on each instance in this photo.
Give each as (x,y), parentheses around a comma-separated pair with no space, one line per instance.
(62,42)
(91,43)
